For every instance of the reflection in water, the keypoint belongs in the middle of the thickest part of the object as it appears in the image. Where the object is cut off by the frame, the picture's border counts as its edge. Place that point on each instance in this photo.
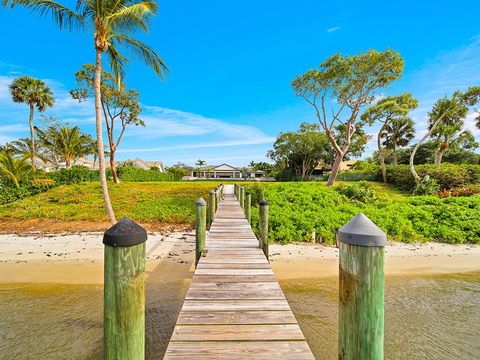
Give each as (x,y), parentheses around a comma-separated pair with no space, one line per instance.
(432,317)
(427,317)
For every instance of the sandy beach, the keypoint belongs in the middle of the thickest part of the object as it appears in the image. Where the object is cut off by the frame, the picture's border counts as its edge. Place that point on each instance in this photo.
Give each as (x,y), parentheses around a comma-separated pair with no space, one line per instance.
(78,258)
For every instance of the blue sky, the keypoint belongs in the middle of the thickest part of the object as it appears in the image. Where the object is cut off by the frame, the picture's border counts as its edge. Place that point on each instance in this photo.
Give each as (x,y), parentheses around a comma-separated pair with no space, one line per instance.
(228,92)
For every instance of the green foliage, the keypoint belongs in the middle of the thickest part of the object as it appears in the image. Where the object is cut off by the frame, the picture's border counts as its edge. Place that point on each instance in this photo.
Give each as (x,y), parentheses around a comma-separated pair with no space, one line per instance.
(76,174)
(427,186)
(449,176)
(359,175)
(296,209)
(136,174)
(360,192)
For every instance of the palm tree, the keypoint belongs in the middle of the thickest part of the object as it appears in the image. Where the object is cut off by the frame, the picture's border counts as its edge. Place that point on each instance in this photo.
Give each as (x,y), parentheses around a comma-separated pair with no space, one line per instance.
(25,148)
(110,23)
(14,169)
(35,93)
(66,143)
(398,134)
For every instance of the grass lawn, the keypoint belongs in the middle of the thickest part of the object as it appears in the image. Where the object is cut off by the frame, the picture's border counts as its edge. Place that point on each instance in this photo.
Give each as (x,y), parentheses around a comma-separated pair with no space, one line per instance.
(158,205)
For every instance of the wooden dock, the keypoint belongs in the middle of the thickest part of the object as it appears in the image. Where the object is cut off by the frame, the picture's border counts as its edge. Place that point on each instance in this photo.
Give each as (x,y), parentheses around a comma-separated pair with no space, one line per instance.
(235,308)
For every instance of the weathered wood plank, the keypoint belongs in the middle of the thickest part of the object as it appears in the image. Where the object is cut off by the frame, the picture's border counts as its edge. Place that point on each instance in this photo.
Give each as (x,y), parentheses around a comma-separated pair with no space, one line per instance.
(258,350)
(235,308)
(236,317)
(237,332)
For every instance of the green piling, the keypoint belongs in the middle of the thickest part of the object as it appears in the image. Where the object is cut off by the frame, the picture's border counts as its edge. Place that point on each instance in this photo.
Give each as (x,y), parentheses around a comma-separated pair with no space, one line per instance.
(263,226)
(212,206)
(124,291)
(361,290)
(248,207)
(242,197)
(200,228)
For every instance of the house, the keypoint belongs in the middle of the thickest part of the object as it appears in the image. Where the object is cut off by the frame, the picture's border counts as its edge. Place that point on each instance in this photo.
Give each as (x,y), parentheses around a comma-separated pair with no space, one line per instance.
(146,165)
(321,168)
(223,171)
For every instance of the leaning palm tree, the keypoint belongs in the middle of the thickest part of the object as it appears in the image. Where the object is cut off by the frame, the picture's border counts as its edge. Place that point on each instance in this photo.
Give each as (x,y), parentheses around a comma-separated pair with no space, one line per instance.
(14,169)
(66,143)
(35,93)
(111,22)
(26,149)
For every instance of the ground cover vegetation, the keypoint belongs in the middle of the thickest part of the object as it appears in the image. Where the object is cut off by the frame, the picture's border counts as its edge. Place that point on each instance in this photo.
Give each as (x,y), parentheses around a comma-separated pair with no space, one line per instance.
(314,212)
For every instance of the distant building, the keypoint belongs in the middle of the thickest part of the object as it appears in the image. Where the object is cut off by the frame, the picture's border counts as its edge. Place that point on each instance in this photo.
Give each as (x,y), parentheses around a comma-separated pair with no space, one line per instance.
(225,171)
(146,165)
(321,168)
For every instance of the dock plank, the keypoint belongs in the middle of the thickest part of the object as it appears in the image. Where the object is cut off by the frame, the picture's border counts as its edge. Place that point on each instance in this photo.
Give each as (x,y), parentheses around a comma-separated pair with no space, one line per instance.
(235,308)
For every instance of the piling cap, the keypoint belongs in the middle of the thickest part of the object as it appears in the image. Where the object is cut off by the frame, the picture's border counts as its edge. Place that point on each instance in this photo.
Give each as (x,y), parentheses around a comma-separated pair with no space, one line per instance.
(247,192)
(125,233)
(200,202)
(363,232)
(263,202)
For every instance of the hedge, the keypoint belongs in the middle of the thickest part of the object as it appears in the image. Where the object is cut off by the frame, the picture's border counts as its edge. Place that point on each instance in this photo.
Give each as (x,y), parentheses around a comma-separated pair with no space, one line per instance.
(135,174)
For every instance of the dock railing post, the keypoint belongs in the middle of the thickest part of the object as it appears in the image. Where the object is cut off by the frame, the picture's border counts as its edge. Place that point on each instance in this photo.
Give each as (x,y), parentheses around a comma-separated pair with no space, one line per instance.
(361,290)
(248,207)
(242,197)
(200,228)
(212,207)
(263,226)
(124,291)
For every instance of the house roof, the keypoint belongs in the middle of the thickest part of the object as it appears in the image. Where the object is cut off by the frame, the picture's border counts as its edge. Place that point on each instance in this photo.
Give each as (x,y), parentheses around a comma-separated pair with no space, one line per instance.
(217,168)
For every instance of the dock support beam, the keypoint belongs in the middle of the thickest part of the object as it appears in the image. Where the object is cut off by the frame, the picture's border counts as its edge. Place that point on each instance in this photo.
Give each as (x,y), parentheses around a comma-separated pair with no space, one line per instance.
(200,228)
(124,291)
(361,290)
(263,226)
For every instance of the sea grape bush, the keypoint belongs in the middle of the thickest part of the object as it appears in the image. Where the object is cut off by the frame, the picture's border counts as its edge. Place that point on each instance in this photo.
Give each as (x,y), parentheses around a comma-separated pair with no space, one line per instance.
(359,192)
(297,209)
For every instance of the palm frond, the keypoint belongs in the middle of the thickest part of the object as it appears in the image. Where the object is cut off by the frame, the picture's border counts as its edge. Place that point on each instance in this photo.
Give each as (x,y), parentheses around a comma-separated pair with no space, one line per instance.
(118,64)
(62,15)
(131,18)
(143,52)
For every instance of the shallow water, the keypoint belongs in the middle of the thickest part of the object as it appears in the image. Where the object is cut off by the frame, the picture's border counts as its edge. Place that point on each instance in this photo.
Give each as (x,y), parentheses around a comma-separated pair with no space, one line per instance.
(427,317)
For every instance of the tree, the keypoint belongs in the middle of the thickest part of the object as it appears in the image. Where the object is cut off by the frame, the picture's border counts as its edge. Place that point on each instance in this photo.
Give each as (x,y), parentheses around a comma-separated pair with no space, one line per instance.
(388,111)
(301,151)
(66,143)
(261,166)
(350,83)
(399,133)
(36,94)
(449,132)
(200,162)
(118,106)
(111,24)
(25,148)
(13,168)
(454,107)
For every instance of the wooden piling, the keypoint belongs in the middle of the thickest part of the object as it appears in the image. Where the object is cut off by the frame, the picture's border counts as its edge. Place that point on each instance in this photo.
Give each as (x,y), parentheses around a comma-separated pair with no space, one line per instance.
(242,197)
(263,226)
(124,291)
(212,206)
(361,290)
(248,207)
(200,228)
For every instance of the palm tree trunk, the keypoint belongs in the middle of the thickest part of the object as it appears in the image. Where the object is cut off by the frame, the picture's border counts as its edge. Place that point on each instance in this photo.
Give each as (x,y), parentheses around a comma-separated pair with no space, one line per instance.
(381,153)
(32,135)
(439,154)
(98,121)
(335,168)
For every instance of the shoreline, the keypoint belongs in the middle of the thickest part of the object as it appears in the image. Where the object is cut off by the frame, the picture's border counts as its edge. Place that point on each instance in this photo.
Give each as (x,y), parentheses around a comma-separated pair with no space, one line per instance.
(78,258)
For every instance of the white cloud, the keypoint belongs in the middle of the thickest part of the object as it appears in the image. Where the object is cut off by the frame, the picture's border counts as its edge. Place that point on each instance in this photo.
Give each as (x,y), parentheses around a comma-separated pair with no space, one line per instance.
(333,29)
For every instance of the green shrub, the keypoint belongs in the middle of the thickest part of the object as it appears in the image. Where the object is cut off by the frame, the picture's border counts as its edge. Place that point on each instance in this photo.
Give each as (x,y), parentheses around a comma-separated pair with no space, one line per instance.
(428,186)
(358,175)
(76,174)
(360,192)
(297,209)
(135,174)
